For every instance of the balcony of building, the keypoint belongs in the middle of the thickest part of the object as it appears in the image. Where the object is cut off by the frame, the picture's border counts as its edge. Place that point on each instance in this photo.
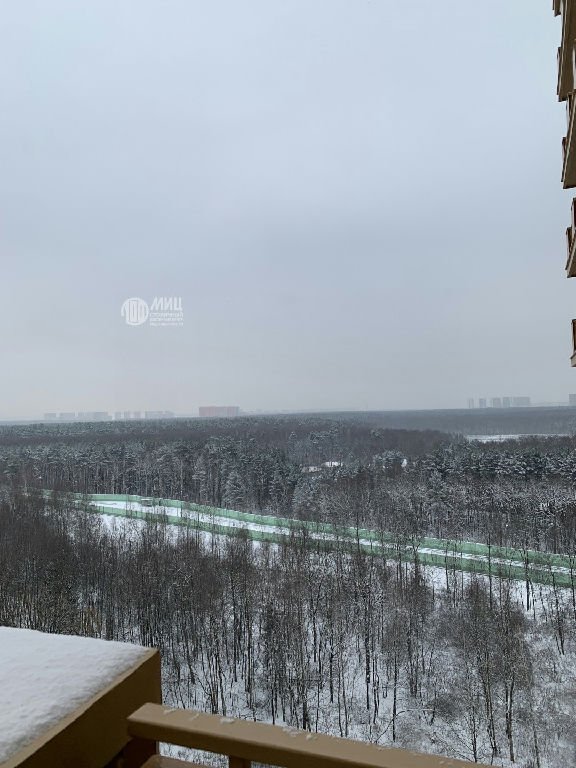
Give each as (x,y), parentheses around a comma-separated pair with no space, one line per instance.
(569,146)
(73,702)
(556,5)
(566,87)
(571,243)
(566,81)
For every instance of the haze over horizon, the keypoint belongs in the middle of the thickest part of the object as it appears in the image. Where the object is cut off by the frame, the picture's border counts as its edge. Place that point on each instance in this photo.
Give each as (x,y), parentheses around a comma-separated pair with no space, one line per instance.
(358,204)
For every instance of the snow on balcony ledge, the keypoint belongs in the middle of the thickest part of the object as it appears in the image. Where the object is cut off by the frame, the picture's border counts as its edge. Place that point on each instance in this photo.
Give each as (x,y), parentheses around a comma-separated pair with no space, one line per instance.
(55,687)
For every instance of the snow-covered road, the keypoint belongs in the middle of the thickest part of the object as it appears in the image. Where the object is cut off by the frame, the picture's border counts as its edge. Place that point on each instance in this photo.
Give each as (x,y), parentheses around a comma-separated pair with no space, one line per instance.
(197,517)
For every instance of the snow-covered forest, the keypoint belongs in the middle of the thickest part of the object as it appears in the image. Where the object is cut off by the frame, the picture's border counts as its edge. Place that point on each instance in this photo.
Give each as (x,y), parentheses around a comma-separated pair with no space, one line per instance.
(339,642)
(517,492)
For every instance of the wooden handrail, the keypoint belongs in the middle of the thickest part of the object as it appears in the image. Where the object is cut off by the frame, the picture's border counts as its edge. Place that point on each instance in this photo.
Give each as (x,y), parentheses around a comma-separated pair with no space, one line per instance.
(244,741)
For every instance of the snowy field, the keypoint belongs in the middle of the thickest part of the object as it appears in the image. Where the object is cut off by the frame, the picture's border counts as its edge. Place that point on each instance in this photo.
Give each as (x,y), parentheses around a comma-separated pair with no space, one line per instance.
(502,438)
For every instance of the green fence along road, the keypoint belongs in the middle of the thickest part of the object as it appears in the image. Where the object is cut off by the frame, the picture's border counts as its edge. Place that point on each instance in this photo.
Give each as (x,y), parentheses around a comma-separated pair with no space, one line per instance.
(504,562)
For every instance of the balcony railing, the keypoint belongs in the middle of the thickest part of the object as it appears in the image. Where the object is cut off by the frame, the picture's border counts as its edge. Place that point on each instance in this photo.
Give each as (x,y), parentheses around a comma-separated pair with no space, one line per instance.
(573,358)
(244,742)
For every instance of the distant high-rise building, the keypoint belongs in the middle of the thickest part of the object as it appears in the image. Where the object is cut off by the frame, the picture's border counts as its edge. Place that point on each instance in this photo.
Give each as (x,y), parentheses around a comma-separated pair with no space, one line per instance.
(136,414)
(470,402)
(67,416)
(495,402)
(481,402)
(218,411)
(117,415)
(521,402)
(158,415)
(506,402)
(571,400)
(94,416)
(53,416)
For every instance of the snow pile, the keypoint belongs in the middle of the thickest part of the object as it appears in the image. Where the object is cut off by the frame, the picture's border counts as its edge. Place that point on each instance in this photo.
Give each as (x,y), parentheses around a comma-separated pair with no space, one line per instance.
(44,678)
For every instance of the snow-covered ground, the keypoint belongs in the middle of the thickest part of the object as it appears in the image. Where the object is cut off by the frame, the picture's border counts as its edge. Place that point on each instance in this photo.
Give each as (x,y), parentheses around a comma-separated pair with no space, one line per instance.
(501,438)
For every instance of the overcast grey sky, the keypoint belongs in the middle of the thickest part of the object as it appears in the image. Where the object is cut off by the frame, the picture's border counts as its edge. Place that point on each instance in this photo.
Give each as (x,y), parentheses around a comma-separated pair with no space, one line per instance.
(358,201)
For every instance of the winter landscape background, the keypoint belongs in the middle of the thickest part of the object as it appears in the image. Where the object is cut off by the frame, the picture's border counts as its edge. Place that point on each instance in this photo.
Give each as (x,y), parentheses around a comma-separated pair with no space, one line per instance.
(344,642)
